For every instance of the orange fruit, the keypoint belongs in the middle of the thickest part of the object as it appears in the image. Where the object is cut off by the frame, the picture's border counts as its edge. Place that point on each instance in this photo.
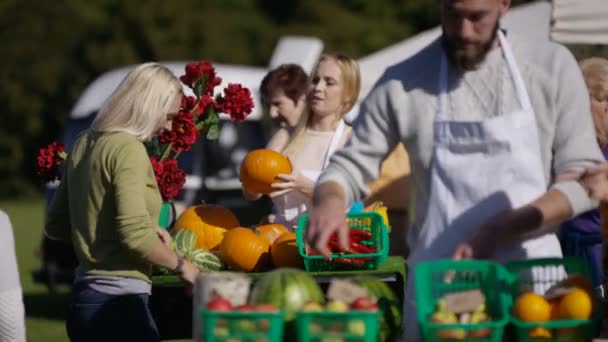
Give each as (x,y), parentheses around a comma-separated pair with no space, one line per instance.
(530,307)
(539,332)
(576,305)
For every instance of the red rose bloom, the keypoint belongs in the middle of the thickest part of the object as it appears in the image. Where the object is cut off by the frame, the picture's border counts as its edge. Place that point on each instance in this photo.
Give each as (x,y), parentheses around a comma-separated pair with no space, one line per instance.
(156,166)
(49,160)
(205,102)
(184,132)
(188,103)
(236,102)
(194,71)
(171,180)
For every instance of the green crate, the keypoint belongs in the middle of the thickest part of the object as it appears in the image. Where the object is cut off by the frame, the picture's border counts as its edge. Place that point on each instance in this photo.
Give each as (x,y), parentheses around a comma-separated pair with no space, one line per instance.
(350,326)
(430,283)
(548,272)
(219,326)
(366,221)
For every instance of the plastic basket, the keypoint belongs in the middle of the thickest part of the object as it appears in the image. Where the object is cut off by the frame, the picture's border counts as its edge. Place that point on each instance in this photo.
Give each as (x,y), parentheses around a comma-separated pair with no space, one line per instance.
(352,326)
(435,279)
(370,222)
(242,326)
(538,275)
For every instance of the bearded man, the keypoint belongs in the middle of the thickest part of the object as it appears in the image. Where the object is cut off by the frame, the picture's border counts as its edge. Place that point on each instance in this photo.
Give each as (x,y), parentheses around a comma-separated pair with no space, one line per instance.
(488,118)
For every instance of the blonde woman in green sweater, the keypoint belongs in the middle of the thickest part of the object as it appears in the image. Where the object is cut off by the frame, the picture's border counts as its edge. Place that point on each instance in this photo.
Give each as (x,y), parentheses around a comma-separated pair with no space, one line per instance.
(107,205)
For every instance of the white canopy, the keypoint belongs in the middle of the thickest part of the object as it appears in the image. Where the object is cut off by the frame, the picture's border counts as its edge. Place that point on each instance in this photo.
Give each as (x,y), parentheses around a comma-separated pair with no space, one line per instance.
(580,21)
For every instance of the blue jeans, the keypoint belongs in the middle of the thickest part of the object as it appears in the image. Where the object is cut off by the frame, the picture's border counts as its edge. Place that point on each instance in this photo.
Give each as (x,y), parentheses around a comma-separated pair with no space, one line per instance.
(96,316)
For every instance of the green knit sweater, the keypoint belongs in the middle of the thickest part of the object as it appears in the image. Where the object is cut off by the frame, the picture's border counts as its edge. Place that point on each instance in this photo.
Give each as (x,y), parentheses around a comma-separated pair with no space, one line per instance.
(107,205)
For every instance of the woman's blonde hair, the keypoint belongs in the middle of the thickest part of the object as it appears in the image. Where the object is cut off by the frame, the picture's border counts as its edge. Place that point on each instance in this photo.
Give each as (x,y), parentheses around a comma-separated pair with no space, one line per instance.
(595,71)
(140,103)
(351,85)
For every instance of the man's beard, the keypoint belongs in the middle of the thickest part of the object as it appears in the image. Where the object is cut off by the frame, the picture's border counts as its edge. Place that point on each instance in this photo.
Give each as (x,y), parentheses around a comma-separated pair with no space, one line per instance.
(467,59)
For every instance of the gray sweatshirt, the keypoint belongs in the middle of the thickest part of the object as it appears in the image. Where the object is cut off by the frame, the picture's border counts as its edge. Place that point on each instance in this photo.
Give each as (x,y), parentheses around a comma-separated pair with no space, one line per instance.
(402,107)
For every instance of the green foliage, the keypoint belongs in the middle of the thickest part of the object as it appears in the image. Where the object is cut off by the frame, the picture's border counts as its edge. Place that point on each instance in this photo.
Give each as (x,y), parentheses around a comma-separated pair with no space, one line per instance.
(52,49)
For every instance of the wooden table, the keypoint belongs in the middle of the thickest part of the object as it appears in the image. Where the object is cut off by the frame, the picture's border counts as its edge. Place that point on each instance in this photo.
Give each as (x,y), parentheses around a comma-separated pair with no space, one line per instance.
(172,307)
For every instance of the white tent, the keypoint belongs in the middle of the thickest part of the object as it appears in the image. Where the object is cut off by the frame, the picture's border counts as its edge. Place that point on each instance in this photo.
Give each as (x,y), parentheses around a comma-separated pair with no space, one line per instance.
(580,21)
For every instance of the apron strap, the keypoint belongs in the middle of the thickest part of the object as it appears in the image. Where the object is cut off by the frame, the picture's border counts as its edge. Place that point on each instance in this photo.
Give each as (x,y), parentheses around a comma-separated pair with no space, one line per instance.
(520,87)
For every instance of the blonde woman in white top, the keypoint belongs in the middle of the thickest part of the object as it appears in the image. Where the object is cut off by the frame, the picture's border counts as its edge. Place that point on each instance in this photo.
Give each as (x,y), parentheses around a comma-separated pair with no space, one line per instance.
(334,88)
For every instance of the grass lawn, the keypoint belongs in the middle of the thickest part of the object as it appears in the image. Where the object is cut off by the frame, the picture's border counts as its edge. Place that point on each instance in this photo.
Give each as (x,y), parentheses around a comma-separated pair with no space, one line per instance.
(45,313)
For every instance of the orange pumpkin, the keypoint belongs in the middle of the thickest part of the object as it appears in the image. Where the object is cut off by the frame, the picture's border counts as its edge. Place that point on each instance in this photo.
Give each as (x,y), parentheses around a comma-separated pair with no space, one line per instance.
(209,222)
(284,251)
(244,250)
(260,168)
(270,231)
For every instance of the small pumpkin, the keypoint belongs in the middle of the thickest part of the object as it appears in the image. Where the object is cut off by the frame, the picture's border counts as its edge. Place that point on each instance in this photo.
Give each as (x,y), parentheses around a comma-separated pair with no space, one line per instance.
(209,222)
(284,251)
(244,250)
(270,231)
(260,168)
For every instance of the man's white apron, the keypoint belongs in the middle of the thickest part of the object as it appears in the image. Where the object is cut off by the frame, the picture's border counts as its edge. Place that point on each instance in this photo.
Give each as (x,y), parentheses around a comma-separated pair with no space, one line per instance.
(479,169)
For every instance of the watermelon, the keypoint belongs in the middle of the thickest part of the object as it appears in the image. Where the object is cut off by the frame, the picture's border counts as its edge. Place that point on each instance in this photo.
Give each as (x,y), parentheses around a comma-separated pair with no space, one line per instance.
(184,241)
(204,260)
(288,289)
(390,322)
(184,244)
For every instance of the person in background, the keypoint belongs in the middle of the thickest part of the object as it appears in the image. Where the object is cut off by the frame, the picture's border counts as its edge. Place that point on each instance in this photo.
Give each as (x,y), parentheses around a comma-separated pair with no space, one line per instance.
(108,206)
(582,235)
(12,313)
(321,130)
(392,189)
(487,117)
(283,93)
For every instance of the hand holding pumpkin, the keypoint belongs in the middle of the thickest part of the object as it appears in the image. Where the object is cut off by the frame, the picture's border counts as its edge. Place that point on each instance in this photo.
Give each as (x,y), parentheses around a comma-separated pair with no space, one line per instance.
(295,181)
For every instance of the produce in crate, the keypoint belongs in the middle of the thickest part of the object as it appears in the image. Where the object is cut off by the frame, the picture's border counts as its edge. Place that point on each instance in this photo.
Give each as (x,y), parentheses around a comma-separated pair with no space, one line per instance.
(360,242)
(381,209)
(260,168)
(390,320)
(337,317)
(184,243)
(569,299)
(531,307)
(288,289)
(240,319)
(243,250)
(447,312)
(270,231)
(209,222)
(284,251)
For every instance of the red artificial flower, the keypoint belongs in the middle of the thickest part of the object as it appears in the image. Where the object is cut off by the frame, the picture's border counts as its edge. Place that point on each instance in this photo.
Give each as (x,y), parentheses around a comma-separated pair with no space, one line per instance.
(189,103)
(49,160)
(183,133)
(205,102)
(169,177)
(157,166)
(194,71)
(236,102)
